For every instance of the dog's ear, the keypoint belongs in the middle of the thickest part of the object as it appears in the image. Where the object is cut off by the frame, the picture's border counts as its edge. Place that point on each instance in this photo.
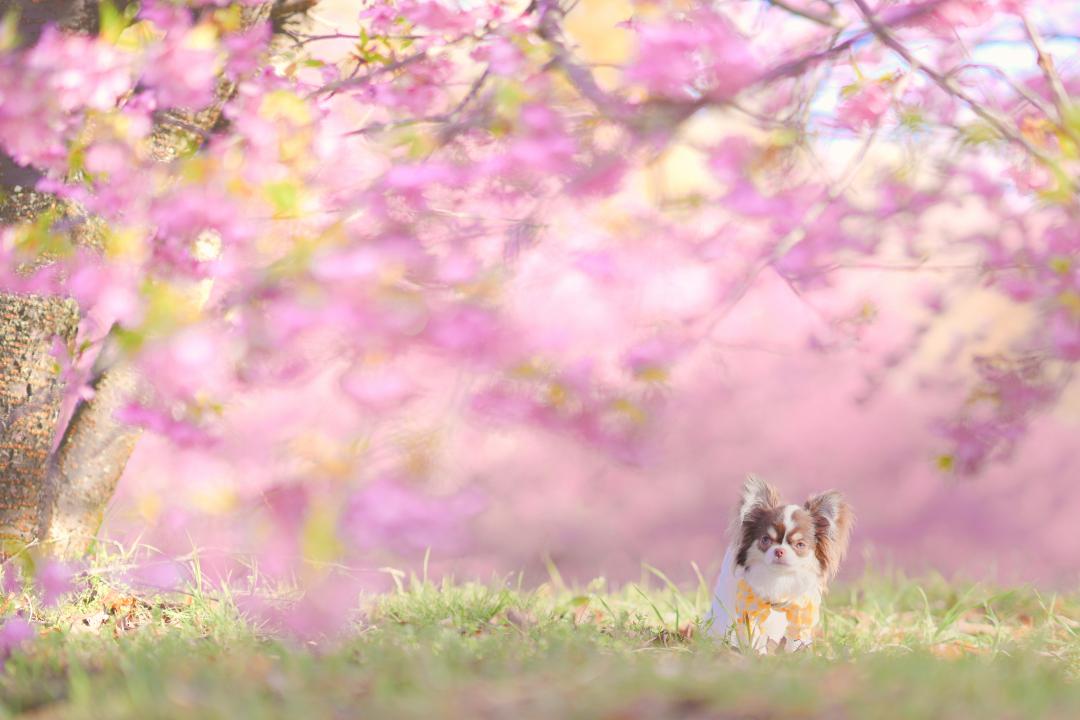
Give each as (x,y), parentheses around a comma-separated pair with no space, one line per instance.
(833,519)
(756,495)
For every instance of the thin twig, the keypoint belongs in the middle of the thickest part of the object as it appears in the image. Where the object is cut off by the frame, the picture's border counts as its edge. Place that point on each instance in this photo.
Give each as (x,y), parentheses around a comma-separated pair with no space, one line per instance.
(1036,101)
(831,20)
(1057,88)
(951,87)
(445,117)
(913,268)
(368,77)
(549,29)
(796,67)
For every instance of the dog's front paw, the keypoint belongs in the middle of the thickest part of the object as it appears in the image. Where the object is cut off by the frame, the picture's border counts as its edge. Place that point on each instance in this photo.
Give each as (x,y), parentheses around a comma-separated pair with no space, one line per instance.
(773,647)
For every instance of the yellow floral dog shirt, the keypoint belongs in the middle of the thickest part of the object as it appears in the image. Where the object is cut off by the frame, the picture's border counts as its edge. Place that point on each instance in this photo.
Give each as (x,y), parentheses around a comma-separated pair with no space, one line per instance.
(751,611)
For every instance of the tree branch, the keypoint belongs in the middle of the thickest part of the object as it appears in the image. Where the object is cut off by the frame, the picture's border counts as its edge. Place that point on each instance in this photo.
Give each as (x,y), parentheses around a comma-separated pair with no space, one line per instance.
(950,87)
(831,20)
(550,30)
(445,117)
(83,473)
(798,66)
(1057,88)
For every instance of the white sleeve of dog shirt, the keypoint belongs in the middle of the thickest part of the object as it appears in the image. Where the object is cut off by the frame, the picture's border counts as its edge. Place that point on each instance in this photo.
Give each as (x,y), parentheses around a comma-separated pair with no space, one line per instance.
(722,613)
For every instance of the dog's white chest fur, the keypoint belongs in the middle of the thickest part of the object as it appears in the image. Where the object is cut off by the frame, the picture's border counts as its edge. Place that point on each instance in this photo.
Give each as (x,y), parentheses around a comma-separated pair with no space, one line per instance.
(768,582)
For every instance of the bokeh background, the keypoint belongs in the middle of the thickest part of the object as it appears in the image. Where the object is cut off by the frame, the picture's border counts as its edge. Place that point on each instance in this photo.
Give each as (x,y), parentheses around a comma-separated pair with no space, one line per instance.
(839,388)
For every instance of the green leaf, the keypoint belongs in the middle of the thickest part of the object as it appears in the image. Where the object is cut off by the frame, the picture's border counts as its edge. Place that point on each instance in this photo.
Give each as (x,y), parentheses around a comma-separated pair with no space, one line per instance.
(1071,118)
(285,197)
(911,118)
(1063,190)
(977,133)
(319,536)
(112,21)
(1061,264)
(9,30)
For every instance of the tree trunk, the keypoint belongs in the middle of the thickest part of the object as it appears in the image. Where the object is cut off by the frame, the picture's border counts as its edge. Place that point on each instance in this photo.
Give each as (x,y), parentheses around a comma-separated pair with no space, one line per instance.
(59,498)
(83,473)
(30,395)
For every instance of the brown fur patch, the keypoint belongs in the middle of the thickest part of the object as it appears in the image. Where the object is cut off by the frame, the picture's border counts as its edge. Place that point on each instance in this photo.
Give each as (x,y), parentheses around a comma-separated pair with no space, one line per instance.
(833,519)
(802,529)
(758,502)
(756,526)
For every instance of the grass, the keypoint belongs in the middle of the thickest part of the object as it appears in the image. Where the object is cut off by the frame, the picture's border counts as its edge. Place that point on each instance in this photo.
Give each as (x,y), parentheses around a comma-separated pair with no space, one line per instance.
(892,648)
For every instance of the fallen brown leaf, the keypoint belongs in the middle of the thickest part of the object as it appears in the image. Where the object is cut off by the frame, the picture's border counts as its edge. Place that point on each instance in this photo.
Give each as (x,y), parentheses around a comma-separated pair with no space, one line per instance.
(120,604)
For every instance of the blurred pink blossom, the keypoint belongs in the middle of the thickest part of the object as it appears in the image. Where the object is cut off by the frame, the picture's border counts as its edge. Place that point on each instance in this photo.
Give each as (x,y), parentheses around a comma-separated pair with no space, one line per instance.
(1065,334)
(388,513)
(181,73)
(865,106)
(55,579)
(501,55)
(16,633)
(699,54)
(378,389)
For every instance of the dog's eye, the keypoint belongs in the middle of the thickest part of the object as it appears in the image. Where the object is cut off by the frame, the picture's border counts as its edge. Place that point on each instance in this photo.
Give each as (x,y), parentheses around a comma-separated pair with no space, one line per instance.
(800,545)
(765,542)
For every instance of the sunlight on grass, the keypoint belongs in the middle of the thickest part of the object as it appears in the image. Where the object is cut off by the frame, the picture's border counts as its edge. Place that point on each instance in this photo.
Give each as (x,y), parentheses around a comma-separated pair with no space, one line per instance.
(891,647)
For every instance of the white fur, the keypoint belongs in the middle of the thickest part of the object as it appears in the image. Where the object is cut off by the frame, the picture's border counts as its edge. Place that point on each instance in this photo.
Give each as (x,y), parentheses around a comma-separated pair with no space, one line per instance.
(789,515)
(778,583)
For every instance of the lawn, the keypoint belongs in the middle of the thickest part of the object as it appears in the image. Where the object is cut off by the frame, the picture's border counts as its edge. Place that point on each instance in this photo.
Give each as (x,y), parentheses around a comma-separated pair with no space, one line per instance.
(891,648)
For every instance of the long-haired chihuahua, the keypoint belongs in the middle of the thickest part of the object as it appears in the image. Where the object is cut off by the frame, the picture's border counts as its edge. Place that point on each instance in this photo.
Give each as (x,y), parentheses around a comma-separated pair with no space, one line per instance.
(777,567)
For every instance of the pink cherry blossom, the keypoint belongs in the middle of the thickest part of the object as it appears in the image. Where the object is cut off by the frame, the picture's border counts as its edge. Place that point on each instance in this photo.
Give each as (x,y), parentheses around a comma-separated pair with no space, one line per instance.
(55,579)
(246,49)
(699,54)
(16,633)
(501,56)
(389,512)
(378,389)
(866,106)
(1065,335)
(59,77)
(183,432)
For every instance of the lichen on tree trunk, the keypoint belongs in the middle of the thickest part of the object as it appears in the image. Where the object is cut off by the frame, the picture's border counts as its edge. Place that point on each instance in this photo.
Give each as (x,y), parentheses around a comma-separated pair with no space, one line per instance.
(31,392)
(31,385)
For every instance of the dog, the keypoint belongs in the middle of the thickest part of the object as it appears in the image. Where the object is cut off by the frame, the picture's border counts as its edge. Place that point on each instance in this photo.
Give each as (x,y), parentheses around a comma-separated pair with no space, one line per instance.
(777,567)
